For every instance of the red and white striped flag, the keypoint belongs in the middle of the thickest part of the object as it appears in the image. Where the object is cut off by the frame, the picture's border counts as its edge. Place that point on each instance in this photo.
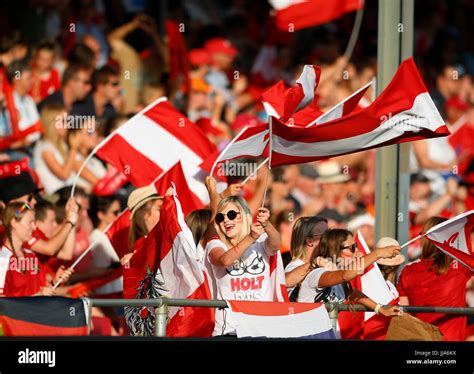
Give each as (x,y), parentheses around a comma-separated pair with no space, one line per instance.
(118,231)
(403,112)
(342,108)
(166,264)
(153,141)
(375,287)
(453,237)
(262,319)
(282,103)
(250,142)
(292,15)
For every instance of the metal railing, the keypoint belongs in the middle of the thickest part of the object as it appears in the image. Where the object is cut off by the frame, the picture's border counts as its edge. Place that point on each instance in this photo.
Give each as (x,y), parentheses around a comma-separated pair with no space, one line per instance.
(161,308)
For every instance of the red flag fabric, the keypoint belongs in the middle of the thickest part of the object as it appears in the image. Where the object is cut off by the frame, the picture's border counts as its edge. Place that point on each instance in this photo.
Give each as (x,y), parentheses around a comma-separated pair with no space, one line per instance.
(118,231)
(153,141)
(282,103)
(292,15)
(403,112)
(179,66)
(250,142)
(453,237)
(165,263)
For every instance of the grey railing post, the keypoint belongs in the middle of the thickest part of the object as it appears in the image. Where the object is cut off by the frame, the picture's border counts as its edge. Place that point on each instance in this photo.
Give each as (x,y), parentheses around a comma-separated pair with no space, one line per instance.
(334,314)
(161,319)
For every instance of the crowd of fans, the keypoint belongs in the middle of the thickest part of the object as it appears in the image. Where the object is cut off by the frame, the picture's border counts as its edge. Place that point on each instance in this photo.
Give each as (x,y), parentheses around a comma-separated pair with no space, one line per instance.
(73,72)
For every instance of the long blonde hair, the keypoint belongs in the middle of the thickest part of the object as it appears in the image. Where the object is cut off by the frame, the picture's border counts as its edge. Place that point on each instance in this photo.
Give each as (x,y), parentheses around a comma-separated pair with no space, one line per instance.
(50,115)
(441,261)
(302,229)
(138,225)
(245,214)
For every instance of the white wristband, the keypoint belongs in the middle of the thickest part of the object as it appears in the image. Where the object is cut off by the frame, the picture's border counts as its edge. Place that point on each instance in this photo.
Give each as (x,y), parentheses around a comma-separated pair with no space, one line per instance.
(377,308)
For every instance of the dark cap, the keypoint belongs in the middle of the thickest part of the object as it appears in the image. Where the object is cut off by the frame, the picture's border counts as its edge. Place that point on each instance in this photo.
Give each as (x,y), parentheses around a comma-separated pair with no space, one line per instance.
(308,171)
(320,226)
(418,177)
(332,214)
(17,186)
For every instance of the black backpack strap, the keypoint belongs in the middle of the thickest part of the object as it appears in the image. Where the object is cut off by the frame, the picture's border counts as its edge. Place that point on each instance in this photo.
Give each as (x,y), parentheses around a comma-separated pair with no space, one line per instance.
(293,297)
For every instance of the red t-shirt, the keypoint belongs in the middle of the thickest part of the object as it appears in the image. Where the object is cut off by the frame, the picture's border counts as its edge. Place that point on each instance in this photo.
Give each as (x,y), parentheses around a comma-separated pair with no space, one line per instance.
(20,277)
(424,287)
(50,263)
(42,88)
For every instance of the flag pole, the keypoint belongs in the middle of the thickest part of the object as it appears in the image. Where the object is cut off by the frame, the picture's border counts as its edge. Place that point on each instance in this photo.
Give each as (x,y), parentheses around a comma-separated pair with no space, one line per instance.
(342,102)
(101,144)
(83,254)
(412,240)
(218,159)
(255,171)
(270,149)
(355,34)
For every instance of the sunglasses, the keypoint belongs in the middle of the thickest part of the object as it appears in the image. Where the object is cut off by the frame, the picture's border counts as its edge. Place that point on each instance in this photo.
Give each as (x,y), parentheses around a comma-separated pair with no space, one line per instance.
(20,210)
(231,214)
(352,247)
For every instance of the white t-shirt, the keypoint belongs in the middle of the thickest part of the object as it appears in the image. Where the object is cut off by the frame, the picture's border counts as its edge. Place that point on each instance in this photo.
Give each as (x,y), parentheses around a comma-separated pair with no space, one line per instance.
(247,279)
(310,290)
(103,255)
(51,182)
(95,166)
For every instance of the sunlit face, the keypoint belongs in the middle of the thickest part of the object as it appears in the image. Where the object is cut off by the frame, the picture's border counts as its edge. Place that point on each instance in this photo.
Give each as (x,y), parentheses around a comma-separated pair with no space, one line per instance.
(49,225)
(231,228)
(347,247)
(25,83)
(23,229)
(152,216)
(90,137)
(110,214)
(44,60)
(112,88)
(81,84)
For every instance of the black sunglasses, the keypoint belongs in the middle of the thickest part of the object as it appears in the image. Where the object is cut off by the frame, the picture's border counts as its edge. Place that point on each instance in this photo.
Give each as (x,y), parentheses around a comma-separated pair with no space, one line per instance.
(352,247)
(231,214)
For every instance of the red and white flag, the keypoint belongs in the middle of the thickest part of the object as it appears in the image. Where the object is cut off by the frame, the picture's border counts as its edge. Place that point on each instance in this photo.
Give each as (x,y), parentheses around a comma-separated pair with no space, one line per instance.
(342,108)
(118,231)
(292,15)
(453,237)
(166,264)
(282,103)
(375,287)
(250,142)
(153,141)
(403,112)
(281,320)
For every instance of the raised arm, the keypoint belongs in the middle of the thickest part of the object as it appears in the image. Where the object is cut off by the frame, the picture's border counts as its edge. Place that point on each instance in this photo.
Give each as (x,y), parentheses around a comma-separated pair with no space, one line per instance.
(222,258)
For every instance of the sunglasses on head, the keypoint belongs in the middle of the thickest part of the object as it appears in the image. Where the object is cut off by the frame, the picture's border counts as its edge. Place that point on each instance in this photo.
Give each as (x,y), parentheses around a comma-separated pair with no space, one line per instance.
(231,214)
(352,247)
(20,210)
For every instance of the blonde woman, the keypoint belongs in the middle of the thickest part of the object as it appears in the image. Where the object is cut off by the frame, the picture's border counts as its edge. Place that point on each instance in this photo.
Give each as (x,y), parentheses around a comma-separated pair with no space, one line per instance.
(237,255)
(54,160)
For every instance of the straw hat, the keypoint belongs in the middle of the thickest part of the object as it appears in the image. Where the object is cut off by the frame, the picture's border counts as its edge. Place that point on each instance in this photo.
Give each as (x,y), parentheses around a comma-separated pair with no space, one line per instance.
(139,197)
(385,242)
(330,172)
